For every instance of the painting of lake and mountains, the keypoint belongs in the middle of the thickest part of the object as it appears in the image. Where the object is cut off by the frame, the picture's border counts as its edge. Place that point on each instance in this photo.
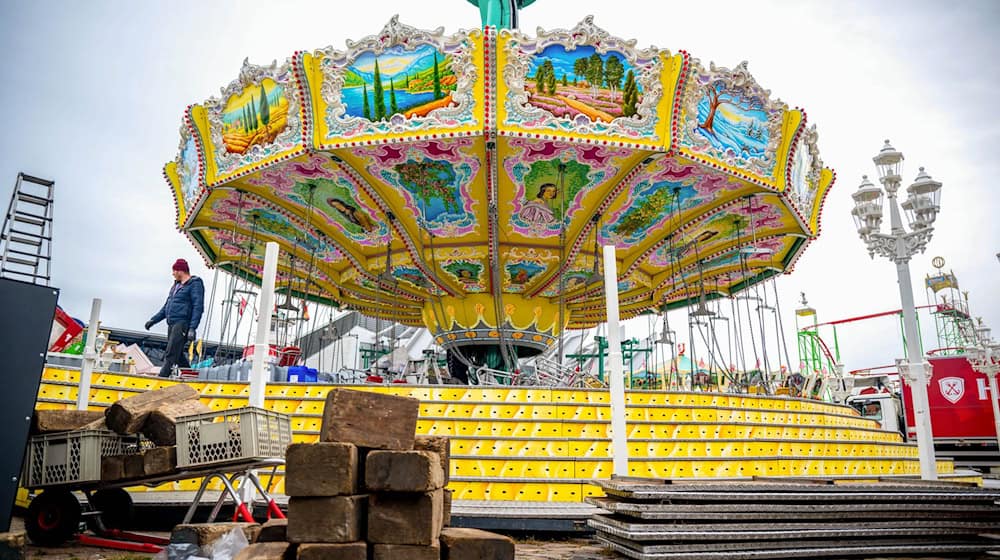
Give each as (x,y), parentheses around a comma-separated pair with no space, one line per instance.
(601,87)
(398,81)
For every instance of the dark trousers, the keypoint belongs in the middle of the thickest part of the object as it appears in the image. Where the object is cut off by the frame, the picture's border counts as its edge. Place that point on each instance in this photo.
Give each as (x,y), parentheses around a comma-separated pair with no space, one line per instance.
(176,341)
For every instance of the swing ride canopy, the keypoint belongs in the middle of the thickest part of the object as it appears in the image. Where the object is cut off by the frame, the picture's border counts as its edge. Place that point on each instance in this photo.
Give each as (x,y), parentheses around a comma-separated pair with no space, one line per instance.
(464,182)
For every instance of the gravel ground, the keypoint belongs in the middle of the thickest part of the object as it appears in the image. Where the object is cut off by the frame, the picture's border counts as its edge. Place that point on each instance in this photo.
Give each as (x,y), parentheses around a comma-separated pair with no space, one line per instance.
(527,549)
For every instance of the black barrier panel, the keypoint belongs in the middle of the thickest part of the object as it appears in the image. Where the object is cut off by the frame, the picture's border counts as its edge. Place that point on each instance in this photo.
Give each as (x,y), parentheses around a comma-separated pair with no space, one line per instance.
(26,313)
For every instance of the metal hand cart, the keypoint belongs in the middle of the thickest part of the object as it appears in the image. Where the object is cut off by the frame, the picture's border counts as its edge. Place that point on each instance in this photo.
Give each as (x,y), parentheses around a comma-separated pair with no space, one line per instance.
(228,446)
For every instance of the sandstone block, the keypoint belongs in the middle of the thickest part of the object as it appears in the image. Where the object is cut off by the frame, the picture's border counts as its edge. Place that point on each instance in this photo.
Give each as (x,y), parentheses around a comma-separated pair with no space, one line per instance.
(341,551)
(204,534)
(266,551)
(134,466)
(403,471)
(446,508)
(128,415)
(338,519)
(406,552)
(440,445)
(274,530)
(159,460)
(112,468)
(473,544)
(161,424)
(49,421)
(369,419)
(99,424)
(321,469)
(405,518)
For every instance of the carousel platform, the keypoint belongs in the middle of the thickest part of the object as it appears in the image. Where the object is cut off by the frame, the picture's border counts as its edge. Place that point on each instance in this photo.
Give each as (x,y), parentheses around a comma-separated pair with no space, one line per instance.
(548,445)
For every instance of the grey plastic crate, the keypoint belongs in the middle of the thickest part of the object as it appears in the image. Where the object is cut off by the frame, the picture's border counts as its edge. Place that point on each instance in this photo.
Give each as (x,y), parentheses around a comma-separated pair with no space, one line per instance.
(228,436)
(73,457)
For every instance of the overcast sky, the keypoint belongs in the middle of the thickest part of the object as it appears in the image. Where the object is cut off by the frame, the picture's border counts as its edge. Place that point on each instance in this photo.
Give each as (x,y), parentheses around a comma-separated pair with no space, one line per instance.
(94,92)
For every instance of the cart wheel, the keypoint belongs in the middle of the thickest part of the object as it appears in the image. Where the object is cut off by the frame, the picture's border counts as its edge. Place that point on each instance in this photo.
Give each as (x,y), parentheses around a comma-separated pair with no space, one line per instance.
(115,505)
(53,517)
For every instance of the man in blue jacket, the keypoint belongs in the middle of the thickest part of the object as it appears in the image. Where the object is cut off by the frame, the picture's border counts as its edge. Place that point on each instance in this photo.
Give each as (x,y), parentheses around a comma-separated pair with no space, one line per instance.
(183,309)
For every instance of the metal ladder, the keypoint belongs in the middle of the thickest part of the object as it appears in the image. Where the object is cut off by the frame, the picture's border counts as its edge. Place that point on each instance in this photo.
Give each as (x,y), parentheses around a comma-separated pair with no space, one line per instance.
(27,231)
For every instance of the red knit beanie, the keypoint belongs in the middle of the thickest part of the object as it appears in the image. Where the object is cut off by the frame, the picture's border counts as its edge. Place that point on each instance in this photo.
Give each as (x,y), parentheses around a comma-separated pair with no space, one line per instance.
(182,265)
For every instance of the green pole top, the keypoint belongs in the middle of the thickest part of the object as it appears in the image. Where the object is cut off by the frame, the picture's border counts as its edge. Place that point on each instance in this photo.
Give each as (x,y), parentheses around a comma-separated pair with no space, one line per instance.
(501,14)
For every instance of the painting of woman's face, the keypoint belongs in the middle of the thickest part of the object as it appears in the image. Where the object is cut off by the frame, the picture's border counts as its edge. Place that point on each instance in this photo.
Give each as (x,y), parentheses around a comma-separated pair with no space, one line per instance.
(547,191)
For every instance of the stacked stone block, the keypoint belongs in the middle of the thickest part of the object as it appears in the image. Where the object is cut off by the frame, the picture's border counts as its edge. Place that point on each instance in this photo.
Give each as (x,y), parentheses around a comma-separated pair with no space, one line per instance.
(372,490)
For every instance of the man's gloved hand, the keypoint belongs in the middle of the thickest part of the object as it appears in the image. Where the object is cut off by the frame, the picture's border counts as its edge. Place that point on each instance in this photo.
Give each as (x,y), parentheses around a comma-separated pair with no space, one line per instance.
(149,325)
(191,335)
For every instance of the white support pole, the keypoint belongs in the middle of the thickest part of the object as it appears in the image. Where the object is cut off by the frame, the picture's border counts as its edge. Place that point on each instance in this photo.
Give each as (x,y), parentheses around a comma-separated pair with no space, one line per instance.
(616,368)
(89,356)
(918,373)
(258,379)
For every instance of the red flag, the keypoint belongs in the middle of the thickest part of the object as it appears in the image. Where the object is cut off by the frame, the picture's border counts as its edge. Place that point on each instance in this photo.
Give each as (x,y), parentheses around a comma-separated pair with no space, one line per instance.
(243,305)
(305,311)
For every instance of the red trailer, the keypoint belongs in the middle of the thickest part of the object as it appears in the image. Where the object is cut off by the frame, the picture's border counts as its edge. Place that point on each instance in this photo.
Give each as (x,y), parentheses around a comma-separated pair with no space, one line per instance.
(961,412)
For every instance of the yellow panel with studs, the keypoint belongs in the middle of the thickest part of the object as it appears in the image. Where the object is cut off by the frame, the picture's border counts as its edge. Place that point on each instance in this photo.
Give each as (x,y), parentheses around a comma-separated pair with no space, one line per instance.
(544,444)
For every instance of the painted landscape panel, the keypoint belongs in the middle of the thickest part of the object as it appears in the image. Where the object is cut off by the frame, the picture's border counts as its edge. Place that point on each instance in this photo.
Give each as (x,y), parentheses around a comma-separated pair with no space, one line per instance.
(187,172)
(566,83)
(411,82)
(733,121)
(254,117)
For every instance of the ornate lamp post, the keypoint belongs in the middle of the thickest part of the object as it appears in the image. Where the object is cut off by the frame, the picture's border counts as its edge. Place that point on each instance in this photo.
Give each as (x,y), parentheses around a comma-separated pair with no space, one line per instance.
(985,359)
(921,207)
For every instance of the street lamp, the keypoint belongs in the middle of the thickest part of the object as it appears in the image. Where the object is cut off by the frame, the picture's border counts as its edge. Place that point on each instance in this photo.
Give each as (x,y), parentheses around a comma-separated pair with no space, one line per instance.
(984,357)
(921,207)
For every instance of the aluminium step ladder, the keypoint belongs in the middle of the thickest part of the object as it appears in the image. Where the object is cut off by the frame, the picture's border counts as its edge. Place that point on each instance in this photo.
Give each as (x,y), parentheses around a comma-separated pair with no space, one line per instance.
(27,232)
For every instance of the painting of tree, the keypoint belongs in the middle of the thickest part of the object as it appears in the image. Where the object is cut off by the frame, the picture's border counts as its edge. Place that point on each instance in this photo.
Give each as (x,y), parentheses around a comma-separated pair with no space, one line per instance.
(367,109)
(719,93)
(614,71)
(631,96)
(379,94)
(595,72)
(265,107)
(579,70)
(437,79)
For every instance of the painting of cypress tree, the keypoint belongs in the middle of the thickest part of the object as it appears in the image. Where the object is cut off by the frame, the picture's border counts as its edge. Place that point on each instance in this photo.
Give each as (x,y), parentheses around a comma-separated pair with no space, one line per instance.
(265,107)
(393,108)
(437,78)
(379,94)
(540,79)
(367,109)
(631,95)
(407,81)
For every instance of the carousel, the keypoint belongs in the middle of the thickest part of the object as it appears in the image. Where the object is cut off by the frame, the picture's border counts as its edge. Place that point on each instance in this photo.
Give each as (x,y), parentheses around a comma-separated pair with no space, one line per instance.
(465,183)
